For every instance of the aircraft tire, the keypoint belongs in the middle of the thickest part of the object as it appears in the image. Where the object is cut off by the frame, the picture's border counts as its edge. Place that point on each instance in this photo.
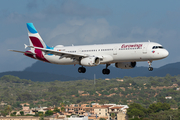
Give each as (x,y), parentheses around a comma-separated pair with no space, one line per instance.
(150,68)
(105,71)
(81,70)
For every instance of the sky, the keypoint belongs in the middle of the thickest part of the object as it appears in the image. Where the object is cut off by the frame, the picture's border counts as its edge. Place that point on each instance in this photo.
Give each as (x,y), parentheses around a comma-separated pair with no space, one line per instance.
(80,22)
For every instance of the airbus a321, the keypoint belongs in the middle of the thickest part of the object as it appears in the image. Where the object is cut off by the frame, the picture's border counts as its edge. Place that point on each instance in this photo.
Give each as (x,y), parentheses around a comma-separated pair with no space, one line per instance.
(124,55)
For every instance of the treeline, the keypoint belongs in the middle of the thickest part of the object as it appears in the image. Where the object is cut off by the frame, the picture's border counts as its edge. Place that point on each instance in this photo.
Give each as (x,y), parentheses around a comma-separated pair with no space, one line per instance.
(155,111)
(142,90)
(8,111)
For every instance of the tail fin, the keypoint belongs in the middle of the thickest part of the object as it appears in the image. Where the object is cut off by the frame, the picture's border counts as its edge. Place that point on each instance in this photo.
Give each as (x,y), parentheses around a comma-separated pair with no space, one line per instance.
(34,37)
(36,41)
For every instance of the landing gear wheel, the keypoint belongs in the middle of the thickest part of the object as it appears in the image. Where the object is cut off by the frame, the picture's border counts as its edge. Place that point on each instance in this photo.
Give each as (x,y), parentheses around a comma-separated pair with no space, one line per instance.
(81,70)
(150,68)
(106,71)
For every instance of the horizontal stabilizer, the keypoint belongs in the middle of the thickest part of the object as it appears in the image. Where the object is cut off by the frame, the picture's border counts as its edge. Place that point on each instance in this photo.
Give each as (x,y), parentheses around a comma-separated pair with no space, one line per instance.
(22,52)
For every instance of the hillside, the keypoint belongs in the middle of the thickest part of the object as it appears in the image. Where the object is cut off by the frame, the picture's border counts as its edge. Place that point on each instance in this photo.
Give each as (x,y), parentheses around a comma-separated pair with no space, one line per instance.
(143,90)
(39,76)
(51,72)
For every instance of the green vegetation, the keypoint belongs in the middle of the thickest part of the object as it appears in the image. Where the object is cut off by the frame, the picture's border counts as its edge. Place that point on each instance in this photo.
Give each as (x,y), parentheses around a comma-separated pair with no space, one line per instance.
(102,119)
(6,111)
(113,115)
(156,111)
(136,110)
(48,113)
(142,90)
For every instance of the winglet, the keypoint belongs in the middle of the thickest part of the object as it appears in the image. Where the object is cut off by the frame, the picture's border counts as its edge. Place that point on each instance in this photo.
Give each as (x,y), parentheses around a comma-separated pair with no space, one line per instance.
(31,28)
(25,46)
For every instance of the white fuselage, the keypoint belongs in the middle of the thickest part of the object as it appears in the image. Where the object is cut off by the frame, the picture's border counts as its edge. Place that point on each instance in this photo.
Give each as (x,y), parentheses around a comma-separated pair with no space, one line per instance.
(112,53)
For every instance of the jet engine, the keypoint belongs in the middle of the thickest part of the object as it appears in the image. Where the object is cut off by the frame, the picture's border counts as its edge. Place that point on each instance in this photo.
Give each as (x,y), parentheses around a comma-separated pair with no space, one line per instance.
(90,61)
(125,65)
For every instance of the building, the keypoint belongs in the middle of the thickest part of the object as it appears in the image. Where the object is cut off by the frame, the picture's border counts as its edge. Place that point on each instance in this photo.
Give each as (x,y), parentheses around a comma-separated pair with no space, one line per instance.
(168,97)
(79,109)
(96,111)
(102,112)
(2,103)
(20,118)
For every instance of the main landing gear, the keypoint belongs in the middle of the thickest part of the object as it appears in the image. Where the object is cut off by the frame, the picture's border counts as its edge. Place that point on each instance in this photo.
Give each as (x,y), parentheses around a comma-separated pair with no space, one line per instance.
(150,68)
(106,71)
(81,69)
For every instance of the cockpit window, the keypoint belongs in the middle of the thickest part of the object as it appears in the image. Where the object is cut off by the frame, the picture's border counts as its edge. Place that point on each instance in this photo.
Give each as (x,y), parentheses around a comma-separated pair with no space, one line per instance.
(157,47)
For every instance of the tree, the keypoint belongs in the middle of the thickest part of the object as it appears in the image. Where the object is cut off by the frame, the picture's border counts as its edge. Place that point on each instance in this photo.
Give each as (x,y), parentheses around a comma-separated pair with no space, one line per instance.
(178,83)
(102,119)
(41,116)
(156,107)
(8,109)
(62,104)
(56,110)
(13,114)
(113,115)
(48,113)
(136,109)
(22,113)
(137,113)
(62,109)
(148,85)
(162,99)
(4,113)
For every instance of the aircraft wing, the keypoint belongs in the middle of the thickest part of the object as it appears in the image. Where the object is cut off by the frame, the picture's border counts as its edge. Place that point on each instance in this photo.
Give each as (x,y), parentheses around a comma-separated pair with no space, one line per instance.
(61,53)
(22,52)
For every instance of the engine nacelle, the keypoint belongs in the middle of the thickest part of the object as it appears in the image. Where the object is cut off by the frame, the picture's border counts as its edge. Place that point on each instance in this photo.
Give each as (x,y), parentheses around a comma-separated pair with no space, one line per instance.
(90,61)
(125,65)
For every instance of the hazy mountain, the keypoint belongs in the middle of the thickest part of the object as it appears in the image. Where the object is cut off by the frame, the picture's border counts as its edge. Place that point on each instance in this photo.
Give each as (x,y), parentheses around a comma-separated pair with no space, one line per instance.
(41,71)
(39,76)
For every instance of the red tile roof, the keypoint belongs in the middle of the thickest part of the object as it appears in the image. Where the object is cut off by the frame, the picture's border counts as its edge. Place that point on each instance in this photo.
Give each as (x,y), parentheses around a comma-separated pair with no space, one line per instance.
(116,107)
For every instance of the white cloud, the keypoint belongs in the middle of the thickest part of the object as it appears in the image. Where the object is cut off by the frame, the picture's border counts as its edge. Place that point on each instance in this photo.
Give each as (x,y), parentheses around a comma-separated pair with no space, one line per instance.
(80,31)
(74,8)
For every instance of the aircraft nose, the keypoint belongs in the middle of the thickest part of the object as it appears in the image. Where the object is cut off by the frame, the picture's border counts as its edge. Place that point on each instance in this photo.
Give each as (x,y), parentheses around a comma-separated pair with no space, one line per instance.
(165,53)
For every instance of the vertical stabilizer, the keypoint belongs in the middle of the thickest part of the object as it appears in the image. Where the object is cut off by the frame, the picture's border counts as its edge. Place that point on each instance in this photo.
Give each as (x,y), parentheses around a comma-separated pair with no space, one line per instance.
(36,41)
(34,37)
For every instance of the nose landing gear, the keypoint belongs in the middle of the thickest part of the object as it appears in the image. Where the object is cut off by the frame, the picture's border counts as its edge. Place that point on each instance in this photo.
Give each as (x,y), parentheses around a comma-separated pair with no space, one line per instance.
(150,68)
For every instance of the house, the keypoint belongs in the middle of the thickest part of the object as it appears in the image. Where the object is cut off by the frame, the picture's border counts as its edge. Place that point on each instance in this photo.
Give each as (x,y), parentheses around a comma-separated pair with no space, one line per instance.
(107,79)
(121,80)
(2,103)
(175,85)
(95,111)
(26,110)
(101,111)
(168,97)
(79,109)
(24,104)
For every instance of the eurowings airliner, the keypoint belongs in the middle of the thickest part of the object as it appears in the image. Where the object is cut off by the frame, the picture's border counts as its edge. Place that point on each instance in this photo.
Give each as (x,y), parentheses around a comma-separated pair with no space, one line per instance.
(123,55)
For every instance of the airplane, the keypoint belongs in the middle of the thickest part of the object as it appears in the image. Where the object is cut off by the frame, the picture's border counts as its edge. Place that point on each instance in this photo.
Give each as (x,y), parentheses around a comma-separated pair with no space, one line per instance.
(124,55)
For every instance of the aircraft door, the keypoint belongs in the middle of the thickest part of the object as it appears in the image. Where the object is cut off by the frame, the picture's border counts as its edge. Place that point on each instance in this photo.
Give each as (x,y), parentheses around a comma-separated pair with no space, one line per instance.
(115,50)
(80,50)
(144,48)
